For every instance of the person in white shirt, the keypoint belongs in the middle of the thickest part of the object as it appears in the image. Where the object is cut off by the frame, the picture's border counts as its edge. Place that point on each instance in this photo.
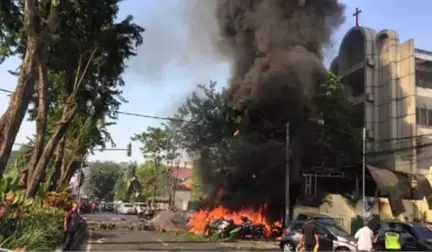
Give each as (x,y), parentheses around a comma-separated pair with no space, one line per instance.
(365,238)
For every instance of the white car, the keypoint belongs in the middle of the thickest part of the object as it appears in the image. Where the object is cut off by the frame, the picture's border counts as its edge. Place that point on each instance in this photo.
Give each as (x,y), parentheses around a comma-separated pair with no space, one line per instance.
(127,208)
(140,207)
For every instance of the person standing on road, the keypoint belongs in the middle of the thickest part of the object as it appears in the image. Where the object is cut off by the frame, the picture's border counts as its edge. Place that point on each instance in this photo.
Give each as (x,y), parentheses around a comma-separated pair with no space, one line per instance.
(309,238)
(365,238)
(93,207)
(69,227)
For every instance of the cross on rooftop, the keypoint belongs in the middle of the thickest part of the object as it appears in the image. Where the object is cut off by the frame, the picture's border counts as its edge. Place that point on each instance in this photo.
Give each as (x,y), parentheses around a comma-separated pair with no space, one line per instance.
(356,15)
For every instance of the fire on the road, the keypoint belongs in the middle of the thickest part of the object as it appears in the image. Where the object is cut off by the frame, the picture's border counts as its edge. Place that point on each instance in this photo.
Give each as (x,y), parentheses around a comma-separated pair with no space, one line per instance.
(198,220)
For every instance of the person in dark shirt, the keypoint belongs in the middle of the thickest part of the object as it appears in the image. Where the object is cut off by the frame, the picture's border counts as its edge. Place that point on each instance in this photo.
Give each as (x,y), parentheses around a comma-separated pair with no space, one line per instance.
(68,232)
(309,236)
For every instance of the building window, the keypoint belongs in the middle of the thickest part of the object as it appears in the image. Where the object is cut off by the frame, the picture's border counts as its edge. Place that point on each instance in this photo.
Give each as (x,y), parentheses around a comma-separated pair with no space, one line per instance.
(429,117)
(424,117)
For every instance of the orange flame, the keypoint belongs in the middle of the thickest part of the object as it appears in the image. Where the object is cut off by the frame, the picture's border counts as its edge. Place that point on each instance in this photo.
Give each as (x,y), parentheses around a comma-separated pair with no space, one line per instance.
(198,220)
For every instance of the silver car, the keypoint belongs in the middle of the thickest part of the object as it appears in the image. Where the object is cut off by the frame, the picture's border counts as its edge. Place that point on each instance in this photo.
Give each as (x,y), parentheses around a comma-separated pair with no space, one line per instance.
(331,237)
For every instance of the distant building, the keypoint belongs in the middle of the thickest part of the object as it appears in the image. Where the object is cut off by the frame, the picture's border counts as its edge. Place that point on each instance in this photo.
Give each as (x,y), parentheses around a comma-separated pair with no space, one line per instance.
(180,173)
(182,186)
(391,84)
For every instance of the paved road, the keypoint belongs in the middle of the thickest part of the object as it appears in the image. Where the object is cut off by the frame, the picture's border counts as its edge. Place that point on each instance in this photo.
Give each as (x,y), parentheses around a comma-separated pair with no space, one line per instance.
(123,239)
(109,216)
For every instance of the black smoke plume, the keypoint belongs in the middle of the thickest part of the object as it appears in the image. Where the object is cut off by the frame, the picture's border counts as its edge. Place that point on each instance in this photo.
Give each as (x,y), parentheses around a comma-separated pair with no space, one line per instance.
(277,52)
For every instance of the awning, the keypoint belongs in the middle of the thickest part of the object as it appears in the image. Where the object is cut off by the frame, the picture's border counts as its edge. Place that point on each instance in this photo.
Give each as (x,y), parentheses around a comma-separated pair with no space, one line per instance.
(398,186)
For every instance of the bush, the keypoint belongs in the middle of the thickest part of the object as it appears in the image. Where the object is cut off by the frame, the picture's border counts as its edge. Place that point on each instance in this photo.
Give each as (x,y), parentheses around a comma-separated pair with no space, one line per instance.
(24,223)
(40,230)
(62,200)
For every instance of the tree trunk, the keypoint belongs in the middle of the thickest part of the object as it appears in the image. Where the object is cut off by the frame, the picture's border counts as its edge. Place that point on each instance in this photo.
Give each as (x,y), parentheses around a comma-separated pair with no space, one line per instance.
(66,164)
(54,179)
(68,171)
(12,118)
(37,39)
(41,118)
(52,143)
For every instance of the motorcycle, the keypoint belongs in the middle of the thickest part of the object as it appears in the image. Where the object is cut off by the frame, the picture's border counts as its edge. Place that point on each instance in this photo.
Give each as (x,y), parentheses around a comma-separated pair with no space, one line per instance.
(147,214)
(220,227)
(248,230)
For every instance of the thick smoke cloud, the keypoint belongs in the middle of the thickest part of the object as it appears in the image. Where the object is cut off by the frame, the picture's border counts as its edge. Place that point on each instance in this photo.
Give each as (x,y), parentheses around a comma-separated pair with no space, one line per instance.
(277,52)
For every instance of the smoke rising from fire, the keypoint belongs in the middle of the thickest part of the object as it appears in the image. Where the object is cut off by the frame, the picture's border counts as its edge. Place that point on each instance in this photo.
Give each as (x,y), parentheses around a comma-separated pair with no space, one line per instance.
(277,52)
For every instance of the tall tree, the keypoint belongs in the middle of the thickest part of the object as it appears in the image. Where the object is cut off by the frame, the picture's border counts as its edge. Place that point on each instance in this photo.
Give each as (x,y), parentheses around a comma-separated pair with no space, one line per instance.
(101,179)
(88,57)
(149,177)
(155,145)
(32,24)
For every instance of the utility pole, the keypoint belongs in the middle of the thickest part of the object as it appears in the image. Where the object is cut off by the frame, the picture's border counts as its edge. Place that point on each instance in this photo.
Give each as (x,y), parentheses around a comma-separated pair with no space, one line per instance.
(174,184)
(287,174)
(364,171)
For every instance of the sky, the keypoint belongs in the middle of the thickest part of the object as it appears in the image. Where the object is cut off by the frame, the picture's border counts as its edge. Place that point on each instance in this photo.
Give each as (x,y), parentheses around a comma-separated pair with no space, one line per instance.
(177,55)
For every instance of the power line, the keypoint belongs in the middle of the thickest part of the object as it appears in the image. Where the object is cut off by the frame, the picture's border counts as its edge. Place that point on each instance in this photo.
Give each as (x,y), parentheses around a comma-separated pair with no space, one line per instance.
(190,121)
(324,126)
(122,112)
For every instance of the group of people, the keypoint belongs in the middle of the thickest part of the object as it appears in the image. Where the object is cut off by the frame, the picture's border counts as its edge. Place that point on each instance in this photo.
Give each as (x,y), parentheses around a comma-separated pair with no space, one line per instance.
(365,237)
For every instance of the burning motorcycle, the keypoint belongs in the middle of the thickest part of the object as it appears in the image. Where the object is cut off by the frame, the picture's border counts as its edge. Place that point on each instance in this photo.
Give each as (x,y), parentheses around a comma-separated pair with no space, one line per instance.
(248,230)
(220,227)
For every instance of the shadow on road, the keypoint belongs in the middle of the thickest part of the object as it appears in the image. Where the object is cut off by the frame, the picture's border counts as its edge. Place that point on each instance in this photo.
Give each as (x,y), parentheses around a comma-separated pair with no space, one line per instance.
(96,235)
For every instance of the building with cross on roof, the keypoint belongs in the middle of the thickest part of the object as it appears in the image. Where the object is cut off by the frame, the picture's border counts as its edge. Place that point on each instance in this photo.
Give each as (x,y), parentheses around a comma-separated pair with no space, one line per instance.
(390,83)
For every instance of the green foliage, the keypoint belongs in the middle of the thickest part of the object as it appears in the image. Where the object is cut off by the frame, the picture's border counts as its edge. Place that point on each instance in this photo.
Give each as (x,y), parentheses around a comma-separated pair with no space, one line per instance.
(339,134)
(120,189)
(101,180)
(197,191)
(40,230)
(151,177)
(212,119)
(19,159)
(155,141)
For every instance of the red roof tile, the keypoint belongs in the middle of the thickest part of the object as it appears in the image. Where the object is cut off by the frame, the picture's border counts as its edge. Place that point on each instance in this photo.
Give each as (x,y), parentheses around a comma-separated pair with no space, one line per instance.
(182,173)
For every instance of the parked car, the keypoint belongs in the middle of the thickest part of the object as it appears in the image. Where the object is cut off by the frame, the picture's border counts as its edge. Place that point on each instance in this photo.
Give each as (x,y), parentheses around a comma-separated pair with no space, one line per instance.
(140,207)
(414,236)
(127,208)
(109,207)
(116,208)
(331,237)
(318,218)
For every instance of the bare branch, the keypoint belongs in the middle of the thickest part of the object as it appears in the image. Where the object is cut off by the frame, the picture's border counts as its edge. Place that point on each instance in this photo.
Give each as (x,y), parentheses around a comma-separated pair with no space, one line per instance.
(78,72)
(81,78)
